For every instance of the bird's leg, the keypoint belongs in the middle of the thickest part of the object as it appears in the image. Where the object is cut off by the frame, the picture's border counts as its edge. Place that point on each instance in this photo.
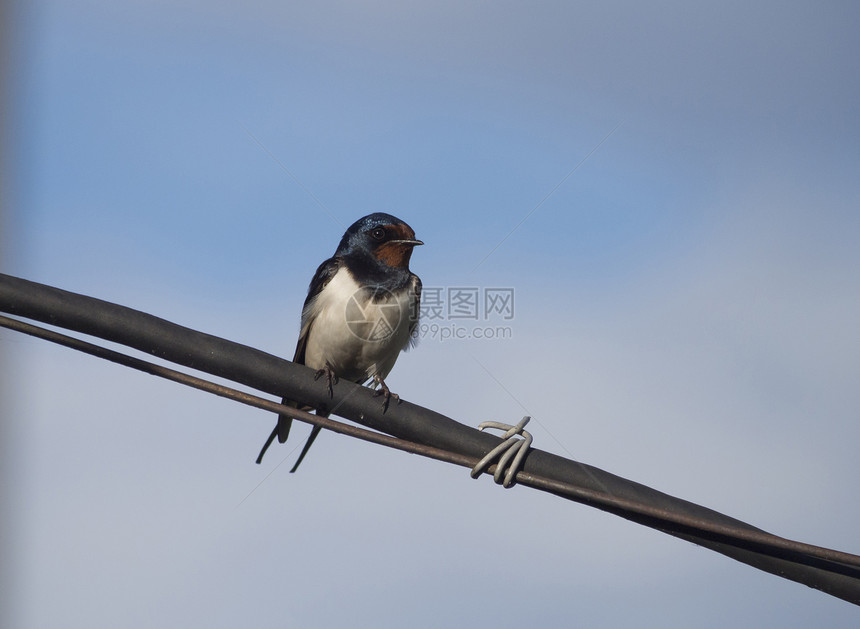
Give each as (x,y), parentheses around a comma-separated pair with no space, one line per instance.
(330,376)
(385,392)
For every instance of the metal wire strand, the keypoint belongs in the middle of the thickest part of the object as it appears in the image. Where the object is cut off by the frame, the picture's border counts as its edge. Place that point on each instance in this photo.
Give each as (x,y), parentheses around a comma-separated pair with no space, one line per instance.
(508,448)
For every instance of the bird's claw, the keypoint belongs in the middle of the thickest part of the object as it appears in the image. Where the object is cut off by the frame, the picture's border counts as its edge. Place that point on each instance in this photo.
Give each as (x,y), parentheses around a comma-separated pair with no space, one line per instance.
(330,376)
(385,392)
(509,448)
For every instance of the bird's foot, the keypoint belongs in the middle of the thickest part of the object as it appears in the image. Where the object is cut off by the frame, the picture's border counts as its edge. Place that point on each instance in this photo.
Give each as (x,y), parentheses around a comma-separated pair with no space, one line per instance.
(330,376)
(511,447)
(385,392)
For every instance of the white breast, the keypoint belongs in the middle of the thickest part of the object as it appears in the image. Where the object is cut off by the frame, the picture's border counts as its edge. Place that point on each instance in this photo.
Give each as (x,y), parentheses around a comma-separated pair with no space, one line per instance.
(357,337)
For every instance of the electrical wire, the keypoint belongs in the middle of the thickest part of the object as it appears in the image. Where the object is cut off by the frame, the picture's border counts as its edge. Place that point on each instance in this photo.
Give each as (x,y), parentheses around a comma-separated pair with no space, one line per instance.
(761,541)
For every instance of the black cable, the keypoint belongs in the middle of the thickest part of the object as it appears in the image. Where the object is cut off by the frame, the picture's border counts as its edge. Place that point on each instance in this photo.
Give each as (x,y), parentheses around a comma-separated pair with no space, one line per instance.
(766,542)
(831,571)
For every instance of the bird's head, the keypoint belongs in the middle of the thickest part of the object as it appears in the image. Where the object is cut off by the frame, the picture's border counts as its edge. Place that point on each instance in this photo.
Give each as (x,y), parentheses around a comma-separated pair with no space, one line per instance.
(384,237)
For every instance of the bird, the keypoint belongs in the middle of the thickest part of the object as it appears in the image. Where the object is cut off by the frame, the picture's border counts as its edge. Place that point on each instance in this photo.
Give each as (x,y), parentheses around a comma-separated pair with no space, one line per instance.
(361,311)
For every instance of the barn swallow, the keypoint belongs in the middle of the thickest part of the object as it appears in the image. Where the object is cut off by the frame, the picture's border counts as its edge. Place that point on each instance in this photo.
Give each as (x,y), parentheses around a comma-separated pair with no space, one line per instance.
(361,311)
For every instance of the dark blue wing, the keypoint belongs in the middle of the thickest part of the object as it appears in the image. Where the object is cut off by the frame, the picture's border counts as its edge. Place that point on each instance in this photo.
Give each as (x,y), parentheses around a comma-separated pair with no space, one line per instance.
(321,278)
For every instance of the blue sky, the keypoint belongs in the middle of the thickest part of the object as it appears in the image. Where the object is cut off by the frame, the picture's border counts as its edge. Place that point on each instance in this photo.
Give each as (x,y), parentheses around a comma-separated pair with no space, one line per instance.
(686,302)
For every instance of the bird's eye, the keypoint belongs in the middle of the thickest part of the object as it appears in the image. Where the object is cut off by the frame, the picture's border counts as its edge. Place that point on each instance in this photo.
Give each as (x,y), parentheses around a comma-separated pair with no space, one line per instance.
(378,233)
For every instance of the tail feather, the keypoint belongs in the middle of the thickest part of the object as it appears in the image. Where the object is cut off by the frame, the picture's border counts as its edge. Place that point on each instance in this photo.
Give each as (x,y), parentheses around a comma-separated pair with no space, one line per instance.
(283,426)
(281,430)
(267,444)
(316,431)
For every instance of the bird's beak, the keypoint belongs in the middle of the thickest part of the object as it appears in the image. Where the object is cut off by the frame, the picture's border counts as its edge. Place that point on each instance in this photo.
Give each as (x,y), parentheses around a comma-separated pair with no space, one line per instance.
(414,243)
